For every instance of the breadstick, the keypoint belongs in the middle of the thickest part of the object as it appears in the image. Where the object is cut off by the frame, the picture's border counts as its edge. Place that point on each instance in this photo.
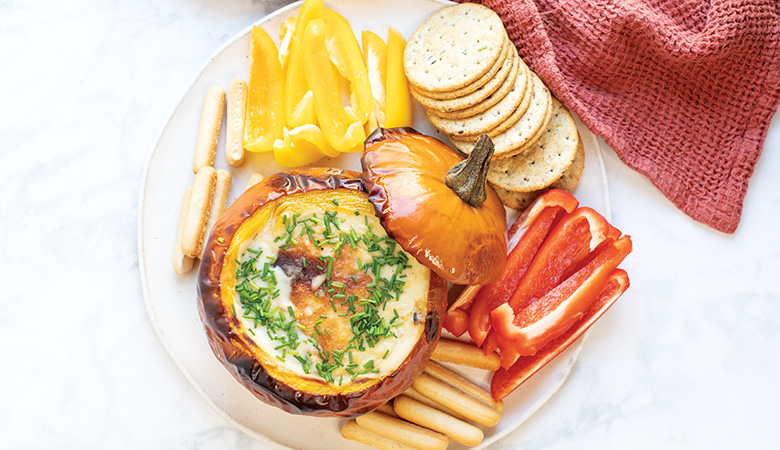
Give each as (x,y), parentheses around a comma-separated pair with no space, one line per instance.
(444,374)
(198,211)
(219,200)
(403,431)
(387,408)
(457,400)
(181,262)
(236,114)
(210,124)
(352,431)
(254,179)
(433,419)
(464,354)
(412,393)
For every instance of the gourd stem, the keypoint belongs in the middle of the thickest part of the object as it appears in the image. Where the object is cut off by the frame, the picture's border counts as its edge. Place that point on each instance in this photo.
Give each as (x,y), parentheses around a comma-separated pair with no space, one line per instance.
(468,178)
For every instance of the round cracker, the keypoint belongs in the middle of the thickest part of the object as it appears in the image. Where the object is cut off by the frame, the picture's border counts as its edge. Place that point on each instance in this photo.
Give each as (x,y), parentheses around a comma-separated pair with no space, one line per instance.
(545,161)
(571,178)
(568,182)
(488,120)
(536,135)
(518,113)
(454,47)
(512,140)
(521,72)
(475,102)
(515,200)
(490,81)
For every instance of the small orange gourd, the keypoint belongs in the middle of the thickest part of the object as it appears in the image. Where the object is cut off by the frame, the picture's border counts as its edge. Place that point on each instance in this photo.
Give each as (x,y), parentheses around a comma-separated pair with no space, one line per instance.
(437,205)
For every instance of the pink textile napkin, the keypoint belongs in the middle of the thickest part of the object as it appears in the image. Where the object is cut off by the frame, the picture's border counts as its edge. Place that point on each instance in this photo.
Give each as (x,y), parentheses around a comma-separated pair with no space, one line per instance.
(682,90)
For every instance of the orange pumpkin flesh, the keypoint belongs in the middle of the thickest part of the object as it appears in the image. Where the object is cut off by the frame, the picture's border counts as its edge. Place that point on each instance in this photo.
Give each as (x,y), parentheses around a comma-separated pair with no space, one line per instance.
(243,353)
(404,173)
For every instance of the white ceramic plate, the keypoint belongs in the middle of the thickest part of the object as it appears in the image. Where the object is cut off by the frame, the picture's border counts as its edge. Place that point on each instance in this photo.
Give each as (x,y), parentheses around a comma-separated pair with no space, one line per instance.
(171,298)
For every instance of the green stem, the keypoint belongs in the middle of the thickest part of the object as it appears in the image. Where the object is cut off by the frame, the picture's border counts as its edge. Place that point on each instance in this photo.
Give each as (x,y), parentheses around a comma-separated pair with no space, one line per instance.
(468,178)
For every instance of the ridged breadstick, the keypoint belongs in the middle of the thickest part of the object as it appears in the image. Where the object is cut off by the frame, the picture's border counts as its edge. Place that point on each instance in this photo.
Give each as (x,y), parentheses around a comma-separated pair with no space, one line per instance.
(457,400)
(352,431)
(210,124)
(198,211)
(403,431)
(181,262)
(219,199)
(433,419)
(444,374)
(464,354)
(412,393)
(236,114)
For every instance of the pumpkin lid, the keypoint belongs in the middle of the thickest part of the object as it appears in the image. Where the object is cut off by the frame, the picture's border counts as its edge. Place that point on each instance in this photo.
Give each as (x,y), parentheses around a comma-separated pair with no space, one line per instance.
(434,216)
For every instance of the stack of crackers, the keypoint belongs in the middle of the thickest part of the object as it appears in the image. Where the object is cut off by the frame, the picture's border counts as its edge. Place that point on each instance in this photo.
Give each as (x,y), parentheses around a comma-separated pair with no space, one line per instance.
(465,71)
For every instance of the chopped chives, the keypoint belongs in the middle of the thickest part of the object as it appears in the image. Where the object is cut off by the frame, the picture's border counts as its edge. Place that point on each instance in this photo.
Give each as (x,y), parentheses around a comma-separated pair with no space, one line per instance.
(257,289)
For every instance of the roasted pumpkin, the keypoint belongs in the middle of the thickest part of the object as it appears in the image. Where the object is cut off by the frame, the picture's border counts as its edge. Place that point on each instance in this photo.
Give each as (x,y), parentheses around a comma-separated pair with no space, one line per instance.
(308,303)
(444,215)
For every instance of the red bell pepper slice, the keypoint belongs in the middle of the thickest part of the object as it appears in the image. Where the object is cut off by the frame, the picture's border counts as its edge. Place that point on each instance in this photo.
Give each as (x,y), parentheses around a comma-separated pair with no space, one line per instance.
(569,243)
(507,349)
(507,380)
(548,317)
(525,236)
(518,260)
(490,344)
(563,252)
(550,199)
(457,319)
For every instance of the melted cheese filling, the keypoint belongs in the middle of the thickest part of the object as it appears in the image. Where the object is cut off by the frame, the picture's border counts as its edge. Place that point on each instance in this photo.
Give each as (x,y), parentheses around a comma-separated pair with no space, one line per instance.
(328,294)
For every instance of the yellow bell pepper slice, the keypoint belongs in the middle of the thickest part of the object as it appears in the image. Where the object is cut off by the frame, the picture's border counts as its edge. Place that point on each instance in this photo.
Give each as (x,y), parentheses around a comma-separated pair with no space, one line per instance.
(286,31)
(343,130)
(375,57)
(346,56)
(398,110)
(298,99)
(310,10)
(313,134)
(302,145)
(264,109)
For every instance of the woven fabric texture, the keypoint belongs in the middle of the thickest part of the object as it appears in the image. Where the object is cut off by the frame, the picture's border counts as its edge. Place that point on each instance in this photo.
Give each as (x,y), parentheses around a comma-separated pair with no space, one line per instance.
(682,90)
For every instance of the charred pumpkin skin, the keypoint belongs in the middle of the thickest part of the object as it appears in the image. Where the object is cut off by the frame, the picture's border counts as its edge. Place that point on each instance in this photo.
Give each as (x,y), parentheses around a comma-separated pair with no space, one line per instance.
(236,350)
(404,173)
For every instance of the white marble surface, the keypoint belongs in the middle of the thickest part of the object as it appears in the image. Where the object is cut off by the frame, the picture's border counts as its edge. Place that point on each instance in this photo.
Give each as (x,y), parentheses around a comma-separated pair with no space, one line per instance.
(688,358)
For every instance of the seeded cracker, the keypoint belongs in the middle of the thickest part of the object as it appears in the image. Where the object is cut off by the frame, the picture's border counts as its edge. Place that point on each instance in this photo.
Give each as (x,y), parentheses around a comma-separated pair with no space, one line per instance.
(489,82)
(515,200)
(571,177)
(492,120)
(545,161)
(568,182)
(476,102)
(525,102)
(535,137)
(511,141)
(454,47)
